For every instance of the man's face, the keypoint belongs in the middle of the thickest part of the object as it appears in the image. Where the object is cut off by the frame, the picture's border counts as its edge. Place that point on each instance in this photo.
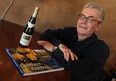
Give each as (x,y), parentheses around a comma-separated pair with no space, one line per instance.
(84,27)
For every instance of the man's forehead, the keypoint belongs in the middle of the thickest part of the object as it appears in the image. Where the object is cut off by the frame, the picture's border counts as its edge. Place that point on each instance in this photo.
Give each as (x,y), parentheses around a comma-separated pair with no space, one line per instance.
(90,12)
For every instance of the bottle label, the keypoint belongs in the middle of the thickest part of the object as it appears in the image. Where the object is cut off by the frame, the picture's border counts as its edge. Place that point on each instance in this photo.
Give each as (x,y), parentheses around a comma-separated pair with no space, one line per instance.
(25,39)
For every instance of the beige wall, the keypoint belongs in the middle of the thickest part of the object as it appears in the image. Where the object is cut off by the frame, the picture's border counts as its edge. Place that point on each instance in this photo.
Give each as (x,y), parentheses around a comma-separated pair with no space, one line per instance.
(60,13)
(53,13)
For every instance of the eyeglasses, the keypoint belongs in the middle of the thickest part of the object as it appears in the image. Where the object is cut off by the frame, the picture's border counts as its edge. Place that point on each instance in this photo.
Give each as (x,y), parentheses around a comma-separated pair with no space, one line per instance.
(89,19)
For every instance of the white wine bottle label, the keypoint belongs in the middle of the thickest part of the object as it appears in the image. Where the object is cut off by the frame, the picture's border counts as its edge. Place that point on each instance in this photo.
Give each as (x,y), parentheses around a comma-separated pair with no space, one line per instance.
(25,39)
(30,25)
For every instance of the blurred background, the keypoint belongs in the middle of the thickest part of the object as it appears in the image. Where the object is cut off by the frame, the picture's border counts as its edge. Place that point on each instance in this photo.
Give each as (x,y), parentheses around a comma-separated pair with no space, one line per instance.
(61,13)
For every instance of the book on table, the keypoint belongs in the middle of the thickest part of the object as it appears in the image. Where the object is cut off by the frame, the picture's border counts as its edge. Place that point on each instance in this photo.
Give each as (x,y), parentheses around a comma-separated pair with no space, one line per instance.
(33,61)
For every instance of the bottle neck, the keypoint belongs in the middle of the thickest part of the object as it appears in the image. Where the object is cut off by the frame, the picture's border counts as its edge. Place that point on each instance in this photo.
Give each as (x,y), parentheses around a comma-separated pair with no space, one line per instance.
(35,12)
(30,25)
(32,20)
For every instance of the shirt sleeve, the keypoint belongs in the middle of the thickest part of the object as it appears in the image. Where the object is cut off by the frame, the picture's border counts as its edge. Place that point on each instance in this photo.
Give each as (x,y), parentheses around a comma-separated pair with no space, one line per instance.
(52,36)
(57,36)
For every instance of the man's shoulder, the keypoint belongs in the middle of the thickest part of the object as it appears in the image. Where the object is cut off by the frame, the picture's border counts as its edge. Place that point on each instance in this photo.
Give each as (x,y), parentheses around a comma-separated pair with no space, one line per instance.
(98,42)
(101,44)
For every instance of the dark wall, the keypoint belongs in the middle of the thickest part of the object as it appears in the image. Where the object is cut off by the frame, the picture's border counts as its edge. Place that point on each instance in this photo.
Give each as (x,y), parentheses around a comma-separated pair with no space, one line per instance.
(60,13)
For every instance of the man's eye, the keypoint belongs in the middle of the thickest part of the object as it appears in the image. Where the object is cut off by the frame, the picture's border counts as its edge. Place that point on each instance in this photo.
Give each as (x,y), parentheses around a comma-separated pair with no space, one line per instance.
(82,16)
(90,19)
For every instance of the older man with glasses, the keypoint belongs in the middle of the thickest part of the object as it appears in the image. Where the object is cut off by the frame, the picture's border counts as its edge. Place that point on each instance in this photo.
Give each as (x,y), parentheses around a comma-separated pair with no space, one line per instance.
(78,48)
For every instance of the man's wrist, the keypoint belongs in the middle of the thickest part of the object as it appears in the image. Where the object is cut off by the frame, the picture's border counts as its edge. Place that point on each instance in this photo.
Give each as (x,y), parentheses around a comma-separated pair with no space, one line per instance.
(54,48)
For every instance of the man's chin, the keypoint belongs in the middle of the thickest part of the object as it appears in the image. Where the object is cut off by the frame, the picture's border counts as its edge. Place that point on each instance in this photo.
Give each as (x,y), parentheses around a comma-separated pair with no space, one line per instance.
(82,33)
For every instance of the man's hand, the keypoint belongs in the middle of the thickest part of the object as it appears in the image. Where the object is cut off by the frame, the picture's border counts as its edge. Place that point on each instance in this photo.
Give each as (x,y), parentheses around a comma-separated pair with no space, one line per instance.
(47,45)
(67,52)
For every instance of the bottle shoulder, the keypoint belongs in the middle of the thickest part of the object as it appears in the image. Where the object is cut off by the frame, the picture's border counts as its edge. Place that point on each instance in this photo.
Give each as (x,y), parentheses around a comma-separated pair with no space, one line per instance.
(28,30)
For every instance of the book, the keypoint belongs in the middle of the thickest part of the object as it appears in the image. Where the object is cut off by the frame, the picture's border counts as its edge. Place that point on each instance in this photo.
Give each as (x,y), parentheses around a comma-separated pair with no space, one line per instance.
(33,61)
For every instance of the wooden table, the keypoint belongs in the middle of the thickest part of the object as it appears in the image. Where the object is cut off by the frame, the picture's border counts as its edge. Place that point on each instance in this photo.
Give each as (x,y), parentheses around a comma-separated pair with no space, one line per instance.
(10,34)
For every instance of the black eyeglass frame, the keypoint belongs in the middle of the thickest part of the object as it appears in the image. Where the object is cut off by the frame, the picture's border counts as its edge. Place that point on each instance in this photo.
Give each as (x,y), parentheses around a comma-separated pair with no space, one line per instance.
(89,19)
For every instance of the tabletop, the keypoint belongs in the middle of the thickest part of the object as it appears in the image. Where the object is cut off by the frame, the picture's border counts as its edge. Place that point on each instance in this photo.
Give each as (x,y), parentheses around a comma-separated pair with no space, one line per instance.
(10,34)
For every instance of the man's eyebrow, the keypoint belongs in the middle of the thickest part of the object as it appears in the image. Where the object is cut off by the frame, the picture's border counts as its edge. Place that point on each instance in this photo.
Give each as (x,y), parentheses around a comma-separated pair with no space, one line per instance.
(88,16)
(91,16)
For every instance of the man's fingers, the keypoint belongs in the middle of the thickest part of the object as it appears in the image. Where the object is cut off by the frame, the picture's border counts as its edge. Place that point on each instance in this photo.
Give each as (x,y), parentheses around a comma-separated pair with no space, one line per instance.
(65,54)
(76,57)
(68,54)
(41,42)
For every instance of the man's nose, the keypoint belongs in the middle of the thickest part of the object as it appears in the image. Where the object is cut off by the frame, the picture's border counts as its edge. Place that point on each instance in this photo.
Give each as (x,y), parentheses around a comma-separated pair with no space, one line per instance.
(84,20)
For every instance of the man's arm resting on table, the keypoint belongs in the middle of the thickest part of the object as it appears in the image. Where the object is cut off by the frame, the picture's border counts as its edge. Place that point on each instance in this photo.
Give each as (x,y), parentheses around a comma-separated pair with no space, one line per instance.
(66,51)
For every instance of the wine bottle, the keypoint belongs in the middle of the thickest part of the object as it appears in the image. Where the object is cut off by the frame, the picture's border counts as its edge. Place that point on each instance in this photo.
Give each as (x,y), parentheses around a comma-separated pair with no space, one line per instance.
(29,29)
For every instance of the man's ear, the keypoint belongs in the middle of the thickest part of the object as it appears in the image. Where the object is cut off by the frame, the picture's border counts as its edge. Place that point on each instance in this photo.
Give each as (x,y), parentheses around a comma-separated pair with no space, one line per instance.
(99,27)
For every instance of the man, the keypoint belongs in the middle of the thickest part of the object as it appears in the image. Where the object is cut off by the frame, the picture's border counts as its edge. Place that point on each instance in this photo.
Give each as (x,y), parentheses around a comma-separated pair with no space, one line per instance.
(78,48)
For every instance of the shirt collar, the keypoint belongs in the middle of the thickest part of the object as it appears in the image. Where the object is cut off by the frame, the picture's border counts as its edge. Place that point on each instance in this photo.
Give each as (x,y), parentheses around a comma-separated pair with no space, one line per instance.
(92,38)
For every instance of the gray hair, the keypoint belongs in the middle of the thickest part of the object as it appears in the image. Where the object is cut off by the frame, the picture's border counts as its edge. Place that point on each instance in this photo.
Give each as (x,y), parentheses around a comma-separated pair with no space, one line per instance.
(98,7)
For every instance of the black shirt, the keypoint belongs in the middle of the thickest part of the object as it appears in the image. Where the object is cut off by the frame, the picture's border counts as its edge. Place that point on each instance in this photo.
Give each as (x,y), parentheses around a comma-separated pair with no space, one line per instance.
(92,53)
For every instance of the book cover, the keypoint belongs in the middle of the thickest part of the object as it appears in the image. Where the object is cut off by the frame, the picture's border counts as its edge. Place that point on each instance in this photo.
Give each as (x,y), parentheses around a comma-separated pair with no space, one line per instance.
(33,61)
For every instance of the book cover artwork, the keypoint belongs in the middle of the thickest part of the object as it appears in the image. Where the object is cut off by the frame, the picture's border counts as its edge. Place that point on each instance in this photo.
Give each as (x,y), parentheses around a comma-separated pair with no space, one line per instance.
(30,62)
